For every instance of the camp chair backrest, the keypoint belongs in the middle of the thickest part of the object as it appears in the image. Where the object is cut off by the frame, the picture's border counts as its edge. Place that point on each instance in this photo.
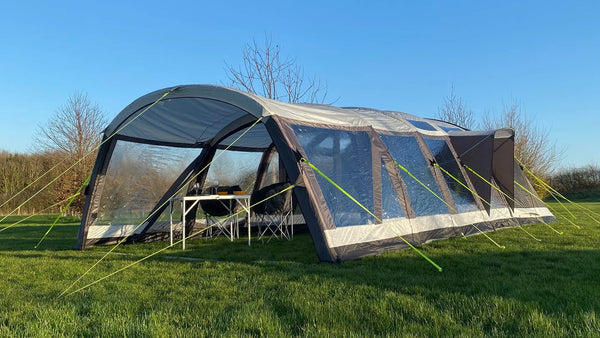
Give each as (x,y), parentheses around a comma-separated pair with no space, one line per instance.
(273,205)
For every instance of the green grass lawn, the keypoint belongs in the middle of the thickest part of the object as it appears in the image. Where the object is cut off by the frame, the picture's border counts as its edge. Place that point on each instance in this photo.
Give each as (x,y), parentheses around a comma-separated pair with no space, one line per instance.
(215,287)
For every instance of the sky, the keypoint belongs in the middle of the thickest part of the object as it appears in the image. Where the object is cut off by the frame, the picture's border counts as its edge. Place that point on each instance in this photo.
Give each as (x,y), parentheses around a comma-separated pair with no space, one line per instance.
(392,55)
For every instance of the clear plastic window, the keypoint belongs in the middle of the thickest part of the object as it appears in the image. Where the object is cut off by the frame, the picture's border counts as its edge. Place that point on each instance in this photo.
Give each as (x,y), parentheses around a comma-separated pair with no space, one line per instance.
(272,172)
(345,157)
(233,168)
(390,202)
(406,151)
(463,198)
(137,177)
(444,128)
(422,125)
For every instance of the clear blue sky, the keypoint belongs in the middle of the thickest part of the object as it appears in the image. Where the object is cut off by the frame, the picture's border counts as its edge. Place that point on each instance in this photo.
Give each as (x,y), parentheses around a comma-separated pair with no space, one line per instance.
(395,55)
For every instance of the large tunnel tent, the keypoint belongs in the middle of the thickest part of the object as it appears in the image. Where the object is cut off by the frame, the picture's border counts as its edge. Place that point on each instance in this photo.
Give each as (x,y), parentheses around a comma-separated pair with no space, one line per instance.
(362,177)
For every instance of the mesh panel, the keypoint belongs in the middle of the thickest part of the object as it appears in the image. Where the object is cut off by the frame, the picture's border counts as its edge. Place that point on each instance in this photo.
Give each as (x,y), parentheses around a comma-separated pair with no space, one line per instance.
(405,150)
(345,157)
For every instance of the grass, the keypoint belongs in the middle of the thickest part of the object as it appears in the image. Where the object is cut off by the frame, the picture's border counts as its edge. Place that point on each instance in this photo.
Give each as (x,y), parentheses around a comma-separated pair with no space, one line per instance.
(215,287)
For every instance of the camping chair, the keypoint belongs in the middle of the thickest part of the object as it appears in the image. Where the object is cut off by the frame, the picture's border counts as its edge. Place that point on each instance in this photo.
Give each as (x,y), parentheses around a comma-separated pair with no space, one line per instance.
(275,215)
(215,210)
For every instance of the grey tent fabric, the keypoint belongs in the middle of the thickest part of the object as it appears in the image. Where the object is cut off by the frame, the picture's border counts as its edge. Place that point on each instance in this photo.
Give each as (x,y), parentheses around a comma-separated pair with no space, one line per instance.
(383,159)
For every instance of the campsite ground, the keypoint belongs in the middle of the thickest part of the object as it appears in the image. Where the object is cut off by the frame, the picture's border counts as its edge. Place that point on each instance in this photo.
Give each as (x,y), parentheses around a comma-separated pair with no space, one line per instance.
(221,288)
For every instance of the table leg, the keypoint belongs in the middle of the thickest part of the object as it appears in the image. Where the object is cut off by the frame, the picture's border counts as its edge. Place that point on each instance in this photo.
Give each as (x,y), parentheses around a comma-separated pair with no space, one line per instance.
(184,212)
(171,221)
(248,221)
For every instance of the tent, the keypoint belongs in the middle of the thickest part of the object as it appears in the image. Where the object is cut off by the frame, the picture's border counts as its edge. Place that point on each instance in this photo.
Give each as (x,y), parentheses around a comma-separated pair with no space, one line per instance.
(365,180)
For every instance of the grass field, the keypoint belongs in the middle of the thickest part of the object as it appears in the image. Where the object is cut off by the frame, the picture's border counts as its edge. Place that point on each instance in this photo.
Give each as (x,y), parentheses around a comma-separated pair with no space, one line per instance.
(215,287)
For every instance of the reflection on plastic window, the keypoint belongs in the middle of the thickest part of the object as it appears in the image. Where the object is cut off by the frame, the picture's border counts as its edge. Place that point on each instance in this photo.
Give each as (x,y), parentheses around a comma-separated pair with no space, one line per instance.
(406,151)
(390,203)
(463,198)
(422,125)
(446,129)
(345,157)
(138,175)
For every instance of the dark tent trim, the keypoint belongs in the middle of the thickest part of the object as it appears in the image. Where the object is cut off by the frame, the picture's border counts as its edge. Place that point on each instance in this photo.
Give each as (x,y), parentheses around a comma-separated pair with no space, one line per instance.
(351,144)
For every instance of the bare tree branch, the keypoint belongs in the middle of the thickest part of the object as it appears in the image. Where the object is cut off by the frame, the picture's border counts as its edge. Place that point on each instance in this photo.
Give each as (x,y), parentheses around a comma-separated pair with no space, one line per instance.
(455,111)
(533,145)
(265,72)
(73,131)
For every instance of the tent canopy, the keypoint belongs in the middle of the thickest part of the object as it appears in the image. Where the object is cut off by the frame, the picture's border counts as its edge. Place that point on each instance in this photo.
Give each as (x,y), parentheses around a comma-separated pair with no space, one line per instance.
(394,164)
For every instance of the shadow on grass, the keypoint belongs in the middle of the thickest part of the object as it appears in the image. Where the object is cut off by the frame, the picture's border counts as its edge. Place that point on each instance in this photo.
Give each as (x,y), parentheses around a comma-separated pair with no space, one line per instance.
(26,237)
(551,280)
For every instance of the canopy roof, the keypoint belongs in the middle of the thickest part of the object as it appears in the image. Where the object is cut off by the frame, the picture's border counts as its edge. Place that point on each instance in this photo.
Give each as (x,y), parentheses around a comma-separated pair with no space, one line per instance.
(192,115)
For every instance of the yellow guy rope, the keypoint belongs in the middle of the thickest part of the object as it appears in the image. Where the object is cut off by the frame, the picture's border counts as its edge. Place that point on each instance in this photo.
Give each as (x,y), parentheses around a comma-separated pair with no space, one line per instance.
(534,195)
(481,198)
(156,209)
(551,190)
(368,211)
(424,186)
(171,245)
(30,216)
(77,193)
(83,157)
(507,196)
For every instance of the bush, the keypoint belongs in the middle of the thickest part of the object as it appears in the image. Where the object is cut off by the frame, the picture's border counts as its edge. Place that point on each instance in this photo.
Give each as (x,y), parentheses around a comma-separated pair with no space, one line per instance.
(577,180)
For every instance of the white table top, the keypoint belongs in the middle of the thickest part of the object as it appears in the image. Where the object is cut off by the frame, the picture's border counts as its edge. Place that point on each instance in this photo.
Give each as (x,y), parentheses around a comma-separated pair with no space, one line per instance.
(211,197)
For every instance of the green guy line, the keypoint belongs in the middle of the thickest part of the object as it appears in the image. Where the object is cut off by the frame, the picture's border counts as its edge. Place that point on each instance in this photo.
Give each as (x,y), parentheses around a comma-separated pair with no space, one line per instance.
(339,188)
(32,215)
(462,184)
(439,268)
(474,193)
(424,185)
(171,245)
(512,199)
(551,189)
(162,205)
(86,182)
(84,156)
(527,232)
(532,194)
(547,186)
(489,183)
(488,237)
(559,202)
(559,214)
(367,210)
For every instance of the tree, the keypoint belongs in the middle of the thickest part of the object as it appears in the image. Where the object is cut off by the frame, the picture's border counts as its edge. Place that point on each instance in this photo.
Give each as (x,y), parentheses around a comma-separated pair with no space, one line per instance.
(455,111)
(577,180)
(533,145)
(264,71)
(74,128)
(73,132)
